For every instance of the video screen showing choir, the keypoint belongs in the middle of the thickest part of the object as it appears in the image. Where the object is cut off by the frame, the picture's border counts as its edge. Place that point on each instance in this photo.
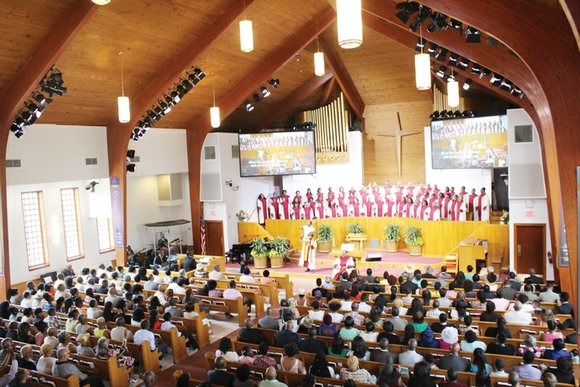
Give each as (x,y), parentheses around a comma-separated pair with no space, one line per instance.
(470,143)
(423,202)
(278,153)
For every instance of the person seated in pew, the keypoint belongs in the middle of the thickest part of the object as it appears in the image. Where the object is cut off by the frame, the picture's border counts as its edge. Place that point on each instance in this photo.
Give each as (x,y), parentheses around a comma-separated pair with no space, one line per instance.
(482,378)
(518,316)
(452,377)
(63,368)
(334,307)
(327,328)
(144,334)
(262,359)
(500,347)
(232,294)
(527,370)
(25,358)
(552,333)
(558,351)
(20,379)
(388,333)
(421,376)
(348,331)
(494,331)
(46,360)
(120,333)
(268,322)
(449,336)
(470,343)
(427,339)
(311,343)
(468,325)
(382,354)
(249,334)
(398,322)
(549,295)
(529,291)
(289,362)
(246,277)
(246,357)
(369,335)
(226,351)
(353,372)
(499,367)
(172,309)
(83,347)
(564,372)
(489,314)
(220,375)
(453,360)
(271,380)
(410,357)
(564,307)
(354,313)
(533,278)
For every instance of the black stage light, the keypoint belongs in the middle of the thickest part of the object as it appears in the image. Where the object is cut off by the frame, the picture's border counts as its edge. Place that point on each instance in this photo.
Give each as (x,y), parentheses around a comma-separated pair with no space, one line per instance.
(450,77)
(473,35)
(467,84)
(199,72)
(468,114)
(275,82)
(28,117)
(249,106)
(256,97)
(517,92)
(432,48)
(438,22)
(441,72)
(485,72)
(456,24)
(408,8)
(434,115)
(443,113)
(265,91)
(463,63)
(420,18)
(476,68)
(506,85)
(165,107)
(130,167)
(175,97)
(41,99)
(457,113)
(131,153)
(453,59)
(442,54)
(147,122)
(186,85)
(193,79)
(420,44)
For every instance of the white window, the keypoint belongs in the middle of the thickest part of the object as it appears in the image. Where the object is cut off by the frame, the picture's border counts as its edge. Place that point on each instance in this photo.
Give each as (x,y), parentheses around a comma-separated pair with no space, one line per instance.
(34,229)
(71,219)
(105,231)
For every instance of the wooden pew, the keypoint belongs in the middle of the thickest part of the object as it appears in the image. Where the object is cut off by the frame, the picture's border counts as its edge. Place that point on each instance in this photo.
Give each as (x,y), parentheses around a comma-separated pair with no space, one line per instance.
(148,359)
(224,305)
(38,379)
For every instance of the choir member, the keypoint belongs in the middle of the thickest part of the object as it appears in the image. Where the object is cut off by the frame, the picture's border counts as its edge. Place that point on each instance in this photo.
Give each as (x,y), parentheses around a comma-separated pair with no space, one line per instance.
(262,209)
(472,205)
(483,204)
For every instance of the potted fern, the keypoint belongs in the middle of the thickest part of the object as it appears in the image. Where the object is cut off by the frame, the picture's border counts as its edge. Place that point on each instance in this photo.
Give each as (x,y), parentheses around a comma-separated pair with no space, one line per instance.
(279,250)
(260,253)
(392,237)
(324,238)
(355,229)
(414,240)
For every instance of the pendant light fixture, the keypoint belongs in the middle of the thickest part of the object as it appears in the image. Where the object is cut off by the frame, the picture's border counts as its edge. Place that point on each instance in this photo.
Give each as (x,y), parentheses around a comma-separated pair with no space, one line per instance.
(123,103)
(349,22)
(452,91)
(246,34)
(101,2)
(214,111)
(319,69)
(422,67)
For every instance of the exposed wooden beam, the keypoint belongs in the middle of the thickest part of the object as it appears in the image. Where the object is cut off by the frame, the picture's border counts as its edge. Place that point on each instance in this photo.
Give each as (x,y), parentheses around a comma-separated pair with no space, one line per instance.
(572,10)
(327,91)
(199,129)
(343,79)
(408,39)
(496,59)
(18,91)
(292,99)
(118,134)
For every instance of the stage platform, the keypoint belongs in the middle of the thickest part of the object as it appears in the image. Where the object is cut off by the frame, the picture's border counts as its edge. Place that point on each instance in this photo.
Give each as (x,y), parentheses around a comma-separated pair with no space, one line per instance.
(394,263)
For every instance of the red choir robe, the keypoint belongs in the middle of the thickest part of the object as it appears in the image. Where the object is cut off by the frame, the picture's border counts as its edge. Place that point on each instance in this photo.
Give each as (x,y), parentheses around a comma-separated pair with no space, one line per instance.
(296,212)
(307,212)
(320,211)
(380,206)
(416,210)
(363,194)
(445,211)
(369,208)
(320,197)
(330,196)
(390,209)
(276,206)
(453,210)
(422,212)
(308,196)
(331,212)
(285,207)
(299,197)
(483,206)
(435,213)
(262,210)
(344,207)
(461,214)
(356,208)
(470,206)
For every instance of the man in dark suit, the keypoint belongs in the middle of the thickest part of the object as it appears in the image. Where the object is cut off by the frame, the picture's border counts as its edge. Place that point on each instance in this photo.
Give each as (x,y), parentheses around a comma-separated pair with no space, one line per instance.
(311,343)
(251,335)
(564,307)
(383,355)
(453,360)
(286,336)
(369,278)
(220,375)
(533,278)
(189,263)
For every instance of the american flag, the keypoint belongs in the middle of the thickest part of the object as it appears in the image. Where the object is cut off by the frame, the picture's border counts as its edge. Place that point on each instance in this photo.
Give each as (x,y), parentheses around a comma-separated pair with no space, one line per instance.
(202,232)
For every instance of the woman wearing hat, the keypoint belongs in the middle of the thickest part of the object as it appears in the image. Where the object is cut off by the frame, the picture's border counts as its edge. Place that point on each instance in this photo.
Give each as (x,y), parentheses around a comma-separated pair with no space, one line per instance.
(449,336)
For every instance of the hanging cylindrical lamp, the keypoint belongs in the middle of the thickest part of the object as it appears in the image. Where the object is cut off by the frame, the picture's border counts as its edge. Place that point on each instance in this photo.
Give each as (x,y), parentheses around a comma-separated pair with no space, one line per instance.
(246,36)
(452,92)
(349,22)
(422,68)
(123,104)
(214,111)
(319,69)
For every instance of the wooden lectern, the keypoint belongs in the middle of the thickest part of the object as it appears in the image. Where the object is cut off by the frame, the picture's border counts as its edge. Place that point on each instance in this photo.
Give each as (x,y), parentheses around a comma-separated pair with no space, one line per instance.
(470,251)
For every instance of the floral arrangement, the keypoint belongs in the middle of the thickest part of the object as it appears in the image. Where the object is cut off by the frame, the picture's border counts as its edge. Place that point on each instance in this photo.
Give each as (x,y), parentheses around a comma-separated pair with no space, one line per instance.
(505,218)
(242,216)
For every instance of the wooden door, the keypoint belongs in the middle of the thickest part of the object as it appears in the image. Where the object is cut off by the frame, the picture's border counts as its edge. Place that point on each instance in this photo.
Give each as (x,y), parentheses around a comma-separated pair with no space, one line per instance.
(530,247)
(214,237)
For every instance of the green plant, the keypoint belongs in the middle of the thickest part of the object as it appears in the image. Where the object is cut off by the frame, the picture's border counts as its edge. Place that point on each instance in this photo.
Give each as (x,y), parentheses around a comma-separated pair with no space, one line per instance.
(392,232)
(413,236)
(259,247)
(324,233)
(279,247)
(355,228)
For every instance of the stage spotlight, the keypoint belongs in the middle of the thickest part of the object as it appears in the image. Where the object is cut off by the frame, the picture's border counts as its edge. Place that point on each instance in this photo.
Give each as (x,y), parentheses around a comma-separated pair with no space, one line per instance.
(434,115)
(199,73)
(432,48)
(463,64)
(450,77)
(473,35)
(408,8)
(457,114)
(28,118)
(41,99)
(441,72)
(506,85)
(165,107)
(442,54)
(456,24)
(438,22)
(175,96)
(193,79)
(453,59)
(420,18)
(186,85)
(256,97)
(274,82)
(467,84)
(517,92)
(420,44)
(131,153)
(485,72)
(476,68)
(265,91)
(130,167)
(249,106)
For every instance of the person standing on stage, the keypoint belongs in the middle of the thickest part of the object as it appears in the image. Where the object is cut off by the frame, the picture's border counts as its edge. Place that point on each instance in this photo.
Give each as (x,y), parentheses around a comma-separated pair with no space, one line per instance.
(308,253)
(472,205)
(483,206)
(262,209)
